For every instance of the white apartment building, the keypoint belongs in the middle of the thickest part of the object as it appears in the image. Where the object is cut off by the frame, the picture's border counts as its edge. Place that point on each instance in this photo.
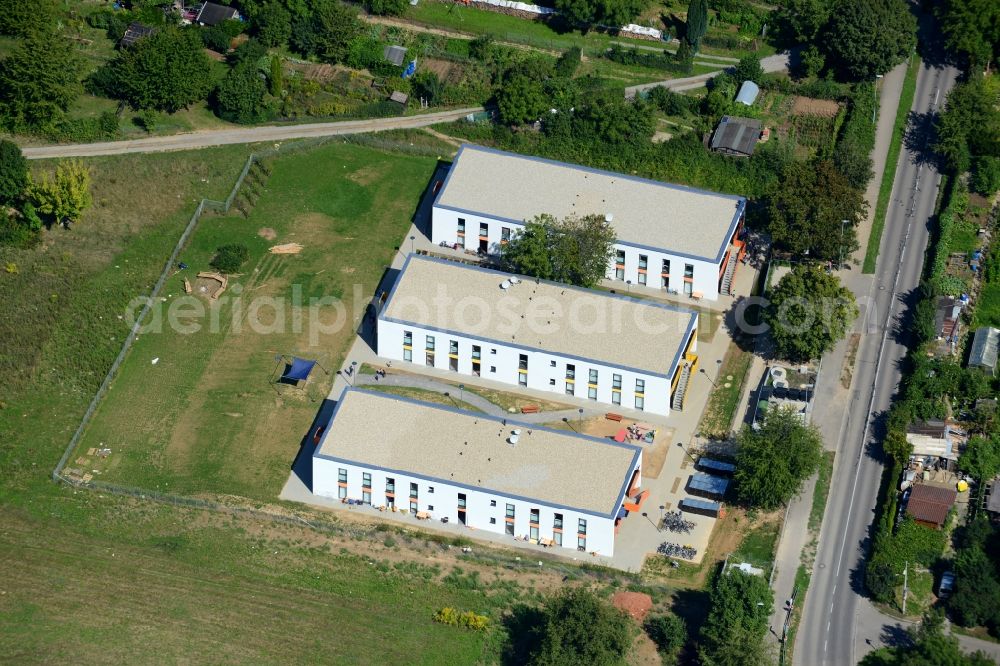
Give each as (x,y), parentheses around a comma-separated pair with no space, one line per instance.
(552,487)
(583,343)
(670,237)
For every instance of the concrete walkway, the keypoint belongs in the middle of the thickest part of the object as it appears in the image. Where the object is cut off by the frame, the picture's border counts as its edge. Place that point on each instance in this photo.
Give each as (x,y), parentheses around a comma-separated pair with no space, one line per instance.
(267,133)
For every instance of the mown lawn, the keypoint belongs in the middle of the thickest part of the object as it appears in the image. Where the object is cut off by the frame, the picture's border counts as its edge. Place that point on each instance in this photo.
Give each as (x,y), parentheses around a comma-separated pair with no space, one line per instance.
(205,417)
(169,585)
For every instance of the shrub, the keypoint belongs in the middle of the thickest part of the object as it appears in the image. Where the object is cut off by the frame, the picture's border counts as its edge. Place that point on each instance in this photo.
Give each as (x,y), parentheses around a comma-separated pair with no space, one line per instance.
(220,37)
(986,175)
(386,7)
(468,619)
(668,632)
(568,62)
(229,258)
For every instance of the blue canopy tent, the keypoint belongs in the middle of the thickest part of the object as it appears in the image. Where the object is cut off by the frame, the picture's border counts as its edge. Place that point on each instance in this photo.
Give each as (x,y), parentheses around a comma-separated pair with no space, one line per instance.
(298,370)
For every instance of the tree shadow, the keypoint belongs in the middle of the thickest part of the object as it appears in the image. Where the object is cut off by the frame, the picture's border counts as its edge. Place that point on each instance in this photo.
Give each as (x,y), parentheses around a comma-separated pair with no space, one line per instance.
(692,606)
(895,635)
(521,625)
(919,139)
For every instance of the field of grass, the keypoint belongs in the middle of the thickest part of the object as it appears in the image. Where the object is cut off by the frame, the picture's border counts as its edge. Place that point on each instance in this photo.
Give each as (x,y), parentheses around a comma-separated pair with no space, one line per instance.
(889,175)
(214,423)
(725,397)
(170,585)
(759,544)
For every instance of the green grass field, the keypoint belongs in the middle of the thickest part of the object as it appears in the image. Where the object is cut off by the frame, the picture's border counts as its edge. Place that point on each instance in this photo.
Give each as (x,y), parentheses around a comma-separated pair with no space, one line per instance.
(151,584)
(892,159)
(205,418)
(725,398)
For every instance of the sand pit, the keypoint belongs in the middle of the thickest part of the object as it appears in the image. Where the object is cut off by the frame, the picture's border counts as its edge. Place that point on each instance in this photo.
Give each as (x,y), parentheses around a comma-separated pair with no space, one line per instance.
(287,248)
(267,233)
(210,284)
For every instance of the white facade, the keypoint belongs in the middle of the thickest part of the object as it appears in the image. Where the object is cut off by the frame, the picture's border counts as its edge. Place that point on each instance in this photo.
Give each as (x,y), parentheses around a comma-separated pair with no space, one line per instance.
(545,371)
(484,510)
(705,276)
(632,355)
(523,480)
(688,237)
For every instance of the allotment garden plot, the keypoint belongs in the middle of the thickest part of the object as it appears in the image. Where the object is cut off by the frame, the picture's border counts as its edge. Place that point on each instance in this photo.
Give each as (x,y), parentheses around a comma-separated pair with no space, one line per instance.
(193,409)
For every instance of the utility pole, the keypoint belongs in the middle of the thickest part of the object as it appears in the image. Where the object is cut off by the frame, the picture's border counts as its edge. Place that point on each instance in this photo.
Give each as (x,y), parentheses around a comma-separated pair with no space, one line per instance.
(906,588)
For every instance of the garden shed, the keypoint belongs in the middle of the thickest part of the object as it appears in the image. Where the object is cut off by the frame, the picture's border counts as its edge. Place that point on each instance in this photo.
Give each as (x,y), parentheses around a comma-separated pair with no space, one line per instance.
(736,136)
(984,350)
(213,14)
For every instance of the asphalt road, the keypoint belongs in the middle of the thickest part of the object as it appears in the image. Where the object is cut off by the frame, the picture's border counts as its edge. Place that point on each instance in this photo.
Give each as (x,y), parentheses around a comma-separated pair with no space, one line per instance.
(267,133)
(829,631)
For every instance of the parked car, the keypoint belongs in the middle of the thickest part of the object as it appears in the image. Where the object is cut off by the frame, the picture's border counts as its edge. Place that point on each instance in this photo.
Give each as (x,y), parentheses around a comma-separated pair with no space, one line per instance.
(947,585)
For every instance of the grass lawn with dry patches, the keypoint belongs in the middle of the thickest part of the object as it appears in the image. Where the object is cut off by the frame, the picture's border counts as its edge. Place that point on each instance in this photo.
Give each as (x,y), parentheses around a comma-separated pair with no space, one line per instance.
(205,418)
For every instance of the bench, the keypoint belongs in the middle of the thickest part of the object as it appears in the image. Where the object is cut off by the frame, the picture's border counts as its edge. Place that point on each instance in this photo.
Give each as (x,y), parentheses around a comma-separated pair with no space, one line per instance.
(611,416)
(530,409)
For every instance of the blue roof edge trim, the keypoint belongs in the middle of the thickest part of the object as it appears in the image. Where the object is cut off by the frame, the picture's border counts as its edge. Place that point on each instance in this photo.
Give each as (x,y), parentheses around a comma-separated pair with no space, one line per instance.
(637,452)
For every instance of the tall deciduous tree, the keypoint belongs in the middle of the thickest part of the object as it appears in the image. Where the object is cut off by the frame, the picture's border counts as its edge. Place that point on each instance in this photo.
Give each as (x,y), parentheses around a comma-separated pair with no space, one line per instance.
(580,628)
(802,20)
(981,458)
(697,24)
(240,96)
(748,69)
(13,173)
(806,210)
(774,460)
(739,608)
(66,195)
(39,81)
(273,24)
(166,71)
(521,99)
(575,250)
(969,125)
(327,32)
(809,311)
(972,28)
(869,37)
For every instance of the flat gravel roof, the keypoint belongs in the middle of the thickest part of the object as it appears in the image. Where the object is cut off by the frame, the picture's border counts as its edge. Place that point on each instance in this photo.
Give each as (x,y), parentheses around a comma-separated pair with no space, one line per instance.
(648,213)
(457,447)
(587,324)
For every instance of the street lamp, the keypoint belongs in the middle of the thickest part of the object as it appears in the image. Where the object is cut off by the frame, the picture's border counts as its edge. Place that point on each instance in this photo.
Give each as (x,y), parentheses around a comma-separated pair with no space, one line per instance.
(628,286)
(702,371)
(461,392)
(581,414)
(875,93)
(566,421)
(681,444)
(411,243)
(347,379)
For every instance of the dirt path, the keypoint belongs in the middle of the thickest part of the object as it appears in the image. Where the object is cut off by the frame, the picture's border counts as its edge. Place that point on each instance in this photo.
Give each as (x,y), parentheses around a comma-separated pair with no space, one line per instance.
(267,133)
